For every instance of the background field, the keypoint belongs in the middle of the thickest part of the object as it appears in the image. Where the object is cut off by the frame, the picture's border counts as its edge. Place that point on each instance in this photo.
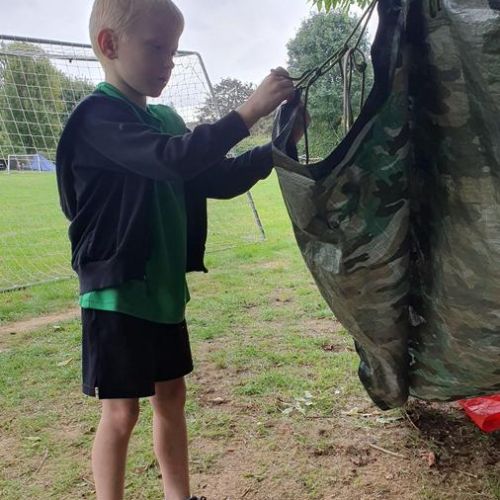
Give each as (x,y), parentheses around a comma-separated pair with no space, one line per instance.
(33,242)
(275,408)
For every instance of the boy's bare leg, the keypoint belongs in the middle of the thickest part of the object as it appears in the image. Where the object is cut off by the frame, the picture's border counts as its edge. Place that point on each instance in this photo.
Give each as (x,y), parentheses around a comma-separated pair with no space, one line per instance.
(170,437)
(109,453)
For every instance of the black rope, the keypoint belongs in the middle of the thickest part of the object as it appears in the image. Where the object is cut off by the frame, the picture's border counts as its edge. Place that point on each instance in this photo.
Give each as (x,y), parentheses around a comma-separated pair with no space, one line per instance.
(310,76)
(314,73)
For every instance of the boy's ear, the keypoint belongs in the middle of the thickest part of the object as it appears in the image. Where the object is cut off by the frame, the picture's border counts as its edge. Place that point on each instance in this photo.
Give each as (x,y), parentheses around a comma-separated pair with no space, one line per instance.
(108,43)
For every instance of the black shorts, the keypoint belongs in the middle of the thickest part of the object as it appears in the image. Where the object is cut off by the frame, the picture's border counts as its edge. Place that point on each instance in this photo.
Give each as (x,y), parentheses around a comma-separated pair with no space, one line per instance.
(123,356)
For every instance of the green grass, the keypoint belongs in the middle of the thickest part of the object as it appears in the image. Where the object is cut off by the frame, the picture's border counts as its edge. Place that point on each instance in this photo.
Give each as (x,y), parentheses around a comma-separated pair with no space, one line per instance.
(258,329)
(33,241)
(38,300)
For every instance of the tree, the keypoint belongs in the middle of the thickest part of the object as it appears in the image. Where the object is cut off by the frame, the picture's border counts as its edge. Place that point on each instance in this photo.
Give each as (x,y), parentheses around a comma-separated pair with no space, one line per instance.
(73,90)
(30,101)
(4,136)
(229,94)
(341,4)
(318,37)
(35,98)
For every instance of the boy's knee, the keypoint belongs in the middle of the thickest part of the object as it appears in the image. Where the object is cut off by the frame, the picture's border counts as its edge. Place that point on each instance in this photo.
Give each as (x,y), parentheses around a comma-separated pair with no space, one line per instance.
(122,416)
(170,396)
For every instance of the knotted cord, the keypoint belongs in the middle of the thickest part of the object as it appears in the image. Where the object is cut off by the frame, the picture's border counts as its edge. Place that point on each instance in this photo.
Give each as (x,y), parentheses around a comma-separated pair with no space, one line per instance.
(346,57)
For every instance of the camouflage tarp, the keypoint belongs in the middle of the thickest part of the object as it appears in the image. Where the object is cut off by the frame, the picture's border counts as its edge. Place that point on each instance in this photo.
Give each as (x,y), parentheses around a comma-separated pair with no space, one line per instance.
(400,225)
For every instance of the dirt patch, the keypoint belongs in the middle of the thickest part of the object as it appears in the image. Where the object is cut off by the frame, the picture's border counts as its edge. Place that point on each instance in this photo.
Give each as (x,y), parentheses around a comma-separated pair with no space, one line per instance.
(451,443)
(31,324)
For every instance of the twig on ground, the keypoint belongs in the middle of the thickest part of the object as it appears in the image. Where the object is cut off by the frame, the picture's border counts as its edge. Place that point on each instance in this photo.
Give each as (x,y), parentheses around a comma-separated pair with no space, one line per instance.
(410,420)
(319,417)
(469,474)
(379,448)
(88,481)
(45,456)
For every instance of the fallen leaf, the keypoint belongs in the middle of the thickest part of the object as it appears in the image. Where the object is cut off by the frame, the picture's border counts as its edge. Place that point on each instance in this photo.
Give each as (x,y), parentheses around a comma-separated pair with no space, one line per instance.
(431,459)
(144,468)
(329,348)
(218,401)
(65,363)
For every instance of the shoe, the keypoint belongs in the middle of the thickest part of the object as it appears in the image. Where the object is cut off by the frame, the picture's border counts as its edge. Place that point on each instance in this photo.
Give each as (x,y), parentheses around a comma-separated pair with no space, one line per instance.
(197,498)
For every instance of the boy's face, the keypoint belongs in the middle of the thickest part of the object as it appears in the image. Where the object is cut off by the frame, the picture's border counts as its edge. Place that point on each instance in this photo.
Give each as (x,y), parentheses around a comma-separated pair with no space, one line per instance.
(144,55)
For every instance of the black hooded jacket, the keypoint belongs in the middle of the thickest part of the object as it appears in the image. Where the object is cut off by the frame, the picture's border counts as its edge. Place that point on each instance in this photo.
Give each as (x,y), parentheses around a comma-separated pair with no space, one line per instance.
(107,161)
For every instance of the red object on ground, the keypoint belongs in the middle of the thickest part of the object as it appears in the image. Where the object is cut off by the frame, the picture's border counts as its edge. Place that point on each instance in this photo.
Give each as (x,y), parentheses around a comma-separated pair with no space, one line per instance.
(483,411)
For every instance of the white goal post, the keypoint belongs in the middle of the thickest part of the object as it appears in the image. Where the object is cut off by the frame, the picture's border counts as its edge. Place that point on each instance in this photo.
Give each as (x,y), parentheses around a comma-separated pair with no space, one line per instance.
(24,163)
(40,83)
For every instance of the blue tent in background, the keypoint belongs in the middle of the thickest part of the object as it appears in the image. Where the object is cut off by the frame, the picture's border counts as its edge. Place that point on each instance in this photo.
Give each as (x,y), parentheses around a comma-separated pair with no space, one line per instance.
(39,162)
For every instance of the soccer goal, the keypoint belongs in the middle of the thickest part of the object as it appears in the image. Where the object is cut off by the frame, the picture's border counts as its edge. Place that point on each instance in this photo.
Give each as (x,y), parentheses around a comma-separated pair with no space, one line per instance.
(25,163)
(40,83)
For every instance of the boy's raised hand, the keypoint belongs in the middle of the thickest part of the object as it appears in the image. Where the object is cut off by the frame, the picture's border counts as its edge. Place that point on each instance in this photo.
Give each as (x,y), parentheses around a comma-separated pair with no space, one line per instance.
(274,89)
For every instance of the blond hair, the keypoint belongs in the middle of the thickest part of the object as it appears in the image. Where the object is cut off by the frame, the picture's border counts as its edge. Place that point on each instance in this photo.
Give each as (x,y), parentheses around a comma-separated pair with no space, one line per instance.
(120,15)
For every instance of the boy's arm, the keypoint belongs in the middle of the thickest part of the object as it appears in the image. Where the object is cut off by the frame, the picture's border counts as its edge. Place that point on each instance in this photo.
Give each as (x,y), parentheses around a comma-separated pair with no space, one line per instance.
(111,137)
(234,176)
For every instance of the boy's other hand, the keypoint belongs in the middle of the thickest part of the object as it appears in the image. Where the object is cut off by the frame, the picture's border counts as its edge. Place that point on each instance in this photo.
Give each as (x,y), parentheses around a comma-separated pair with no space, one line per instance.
(275,88)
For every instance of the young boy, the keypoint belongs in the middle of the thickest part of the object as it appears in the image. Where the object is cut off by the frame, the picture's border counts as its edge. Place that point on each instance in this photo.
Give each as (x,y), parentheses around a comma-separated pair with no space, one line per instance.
(133,182)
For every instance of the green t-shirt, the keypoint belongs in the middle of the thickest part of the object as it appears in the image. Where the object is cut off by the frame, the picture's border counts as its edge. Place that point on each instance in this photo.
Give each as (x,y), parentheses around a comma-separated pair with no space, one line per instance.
(162,296)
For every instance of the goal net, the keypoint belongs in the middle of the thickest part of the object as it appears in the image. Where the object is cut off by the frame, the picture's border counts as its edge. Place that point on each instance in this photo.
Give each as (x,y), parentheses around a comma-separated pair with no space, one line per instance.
(40,83)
